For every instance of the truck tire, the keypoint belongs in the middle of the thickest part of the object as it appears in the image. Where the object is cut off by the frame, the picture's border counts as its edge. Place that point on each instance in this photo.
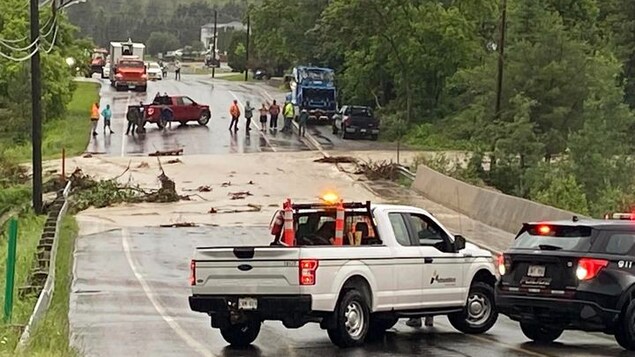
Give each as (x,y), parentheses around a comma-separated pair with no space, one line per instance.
(204,118)
(241,335)
(479,314)
(352,317)
(540,333)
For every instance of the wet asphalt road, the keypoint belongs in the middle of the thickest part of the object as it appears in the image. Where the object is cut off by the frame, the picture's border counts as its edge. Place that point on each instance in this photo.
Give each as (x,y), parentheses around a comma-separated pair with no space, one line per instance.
(130,299)
(130,286)
(215,138)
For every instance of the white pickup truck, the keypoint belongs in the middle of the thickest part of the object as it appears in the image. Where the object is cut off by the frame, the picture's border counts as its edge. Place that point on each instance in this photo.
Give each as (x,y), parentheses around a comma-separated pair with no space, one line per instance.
(406,265)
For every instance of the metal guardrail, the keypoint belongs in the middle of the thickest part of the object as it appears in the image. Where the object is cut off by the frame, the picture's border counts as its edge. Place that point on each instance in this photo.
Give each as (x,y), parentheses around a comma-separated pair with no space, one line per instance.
(406,173)
(44,299)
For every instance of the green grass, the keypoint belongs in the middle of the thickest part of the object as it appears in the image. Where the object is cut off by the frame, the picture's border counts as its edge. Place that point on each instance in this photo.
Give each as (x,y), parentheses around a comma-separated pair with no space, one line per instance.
(51,335)
(236,77)
(70,132)
(29,232)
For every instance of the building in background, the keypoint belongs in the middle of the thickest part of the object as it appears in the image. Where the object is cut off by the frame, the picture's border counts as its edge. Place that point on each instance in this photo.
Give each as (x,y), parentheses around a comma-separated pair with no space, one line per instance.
(223,32)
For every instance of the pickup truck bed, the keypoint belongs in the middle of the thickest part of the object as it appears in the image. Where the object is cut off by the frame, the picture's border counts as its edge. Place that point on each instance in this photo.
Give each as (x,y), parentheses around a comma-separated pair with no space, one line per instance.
(355,291)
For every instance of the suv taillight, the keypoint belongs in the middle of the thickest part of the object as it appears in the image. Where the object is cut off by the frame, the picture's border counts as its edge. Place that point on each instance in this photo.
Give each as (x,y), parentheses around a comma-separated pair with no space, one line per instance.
(192,273)
(308,269)
(589,268)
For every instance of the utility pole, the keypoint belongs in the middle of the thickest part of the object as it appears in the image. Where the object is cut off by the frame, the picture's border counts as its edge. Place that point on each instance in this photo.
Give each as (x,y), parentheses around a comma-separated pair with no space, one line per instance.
(36,106)
(247,49)
(214,44)
(501,59)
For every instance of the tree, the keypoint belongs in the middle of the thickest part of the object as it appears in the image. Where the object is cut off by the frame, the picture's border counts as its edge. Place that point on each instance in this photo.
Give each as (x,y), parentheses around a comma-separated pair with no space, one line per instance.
(161,42)
(236,54)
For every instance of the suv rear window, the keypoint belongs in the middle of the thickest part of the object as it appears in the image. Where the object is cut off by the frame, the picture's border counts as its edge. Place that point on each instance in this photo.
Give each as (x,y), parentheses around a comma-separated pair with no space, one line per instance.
(552,237)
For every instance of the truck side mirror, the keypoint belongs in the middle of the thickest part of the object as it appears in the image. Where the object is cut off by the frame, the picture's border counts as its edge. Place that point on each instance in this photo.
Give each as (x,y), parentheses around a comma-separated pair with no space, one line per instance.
(459,242)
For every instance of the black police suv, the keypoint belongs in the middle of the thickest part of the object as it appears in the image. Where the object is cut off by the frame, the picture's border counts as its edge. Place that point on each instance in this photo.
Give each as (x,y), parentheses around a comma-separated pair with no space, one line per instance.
(570,275)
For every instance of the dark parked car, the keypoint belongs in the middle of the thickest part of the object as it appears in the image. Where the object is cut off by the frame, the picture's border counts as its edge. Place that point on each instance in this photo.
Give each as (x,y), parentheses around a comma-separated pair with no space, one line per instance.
(571,275)
(355,120)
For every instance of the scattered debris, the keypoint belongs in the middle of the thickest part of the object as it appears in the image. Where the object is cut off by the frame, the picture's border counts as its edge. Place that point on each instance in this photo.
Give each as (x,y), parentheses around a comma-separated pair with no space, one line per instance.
(205,188)
(178,225)
(143,165)
(175,161)
(226,184)
(89,192)
(87,156)
(239,195)
(381,170)
(250,183)
(337,160)
(252,208)
(174,152)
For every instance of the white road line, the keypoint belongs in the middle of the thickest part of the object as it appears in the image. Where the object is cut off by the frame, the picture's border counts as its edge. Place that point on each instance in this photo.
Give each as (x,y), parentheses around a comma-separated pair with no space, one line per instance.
(254,123)
(191,341)
(123,129)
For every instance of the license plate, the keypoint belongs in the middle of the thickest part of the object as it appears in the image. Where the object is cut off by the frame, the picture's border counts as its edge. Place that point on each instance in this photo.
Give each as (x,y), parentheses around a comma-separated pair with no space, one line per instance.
(247,304)
(536,271)
(131,86)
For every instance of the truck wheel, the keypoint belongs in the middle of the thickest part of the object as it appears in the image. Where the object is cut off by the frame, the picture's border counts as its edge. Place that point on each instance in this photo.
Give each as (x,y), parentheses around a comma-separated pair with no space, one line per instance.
(625,330)
(539,333)
(352,320)
(479,314)
(378,327)
(204,119)
(241,335)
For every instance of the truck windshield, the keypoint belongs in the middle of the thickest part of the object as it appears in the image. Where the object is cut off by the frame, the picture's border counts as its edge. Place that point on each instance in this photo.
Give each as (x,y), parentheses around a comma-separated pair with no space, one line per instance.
(361,112)
(554,237)
(131,64)
(317,75)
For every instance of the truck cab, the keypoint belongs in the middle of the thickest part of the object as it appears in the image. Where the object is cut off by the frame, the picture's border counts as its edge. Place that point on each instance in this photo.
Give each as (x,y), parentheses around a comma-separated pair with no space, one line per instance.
(341,265)
(313,89)
(128,69)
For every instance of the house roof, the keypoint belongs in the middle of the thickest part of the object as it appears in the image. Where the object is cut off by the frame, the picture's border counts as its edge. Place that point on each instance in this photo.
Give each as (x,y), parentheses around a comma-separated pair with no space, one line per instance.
(236,24)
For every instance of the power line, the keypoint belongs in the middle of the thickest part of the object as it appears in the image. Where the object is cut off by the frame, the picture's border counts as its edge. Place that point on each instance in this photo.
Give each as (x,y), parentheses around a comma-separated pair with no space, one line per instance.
(47,51)
(21,59)
(10,43)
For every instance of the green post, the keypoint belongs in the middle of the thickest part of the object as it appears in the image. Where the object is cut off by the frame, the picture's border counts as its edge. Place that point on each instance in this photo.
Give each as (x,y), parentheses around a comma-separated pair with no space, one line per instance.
(8,293)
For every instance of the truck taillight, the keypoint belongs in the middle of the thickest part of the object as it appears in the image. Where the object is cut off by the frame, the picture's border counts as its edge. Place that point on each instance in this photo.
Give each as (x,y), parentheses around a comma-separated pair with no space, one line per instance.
(589,268)
(192,273)
(150,111)
(308,269)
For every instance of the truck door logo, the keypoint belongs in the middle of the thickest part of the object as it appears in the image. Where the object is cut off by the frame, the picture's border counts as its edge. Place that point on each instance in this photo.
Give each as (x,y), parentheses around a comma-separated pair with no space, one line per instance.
(435,277)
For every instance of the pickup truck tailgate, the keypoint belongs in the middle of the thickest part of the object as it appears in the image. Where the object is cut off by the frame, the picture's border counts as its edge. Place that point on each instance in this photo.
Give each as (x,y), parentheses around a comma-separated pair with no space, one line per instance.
(246,270)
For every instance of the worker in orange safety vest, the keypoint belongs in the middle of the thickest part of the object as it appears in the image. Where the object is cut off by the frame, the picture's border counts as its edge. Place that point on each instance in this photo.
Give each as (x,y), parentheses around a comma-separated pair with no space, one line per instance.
(234,111)
(94,117)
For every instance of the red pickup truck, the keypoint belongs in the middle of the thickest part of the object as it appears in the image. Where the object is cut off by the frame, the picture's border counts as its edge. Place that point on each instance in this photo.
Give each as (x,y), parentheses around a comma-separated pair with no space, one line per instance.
(181,109)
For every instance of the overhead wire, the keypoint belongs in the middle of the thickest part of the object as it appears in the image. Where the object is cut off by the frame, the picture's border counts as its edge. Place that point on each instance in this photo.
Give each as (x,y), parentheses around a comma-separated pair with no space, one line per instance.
(54,28)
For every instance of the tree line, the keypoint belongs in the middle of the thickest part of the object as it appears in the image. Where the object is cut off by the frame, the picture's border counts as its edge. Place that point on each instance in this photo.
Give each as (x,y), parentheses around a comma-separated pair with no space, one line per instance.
(562,135)
(164,25)
(57,75)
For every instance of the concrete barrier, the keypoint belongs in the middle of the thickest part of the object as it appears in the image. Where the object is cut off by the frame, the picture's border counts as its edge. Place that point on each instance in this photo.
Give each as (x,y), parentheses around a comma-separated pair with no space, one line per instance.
(492,208)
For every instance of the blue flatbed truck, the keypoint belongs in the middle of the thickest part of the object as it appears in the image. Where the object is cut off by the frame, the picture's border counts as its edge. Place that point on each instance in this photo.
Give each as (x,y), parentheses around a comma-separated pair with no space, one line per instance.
(313,89)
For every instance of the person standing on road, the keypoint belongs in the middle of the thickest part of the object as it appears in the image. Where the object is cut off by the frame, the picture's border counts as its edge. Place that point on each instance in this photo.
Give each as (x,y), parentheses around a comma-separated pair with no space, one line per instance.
(289,114)
(107,114)
(304,118)
(94,118)
(234,111)
(177,70)
(263,117)
(274,111)
(249,113)
(133,117)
